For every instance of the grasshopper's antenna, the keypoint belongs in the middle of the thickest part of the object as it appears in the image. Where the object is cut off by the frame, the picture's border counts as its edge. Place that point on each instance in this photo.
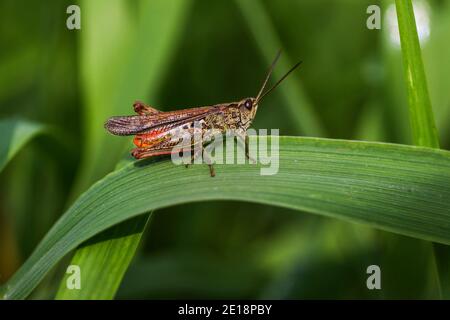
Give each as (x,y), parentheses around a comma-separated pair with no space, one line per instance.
(262,95)
(268,75)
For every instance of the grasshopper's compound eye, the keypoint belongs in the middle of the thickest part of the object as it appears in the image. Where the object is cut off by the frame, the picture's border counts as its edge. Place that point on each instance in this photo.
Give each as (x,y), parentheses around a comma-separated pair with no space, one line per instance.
(248,103)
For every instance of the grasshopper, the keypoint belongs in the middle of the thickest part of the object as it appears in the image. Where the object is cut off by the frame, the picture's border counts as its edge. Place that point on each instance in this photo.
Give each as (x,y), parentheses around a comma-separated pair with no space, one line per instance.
(155,131)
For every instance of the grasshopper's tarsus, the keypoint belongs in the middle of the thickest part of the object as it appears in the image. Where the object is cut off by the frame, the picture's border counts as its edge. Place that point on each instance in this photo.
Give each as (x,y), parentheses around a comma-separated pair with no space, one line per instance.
(196,154)
(212,172)
(206,157)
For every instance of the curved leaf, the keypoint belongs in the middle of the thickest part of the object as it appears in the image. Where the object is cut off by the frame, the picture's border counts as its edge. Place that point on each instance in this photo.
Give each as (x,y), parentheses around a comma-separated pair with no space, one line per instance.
(104,259)
(14,134)
(403,189)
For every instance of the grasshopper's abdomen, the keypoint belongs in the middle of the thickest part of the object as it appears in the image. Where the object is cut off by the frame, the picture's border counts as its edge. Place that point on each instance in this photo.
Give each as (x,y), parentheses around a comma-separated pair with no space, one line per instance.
(168,135)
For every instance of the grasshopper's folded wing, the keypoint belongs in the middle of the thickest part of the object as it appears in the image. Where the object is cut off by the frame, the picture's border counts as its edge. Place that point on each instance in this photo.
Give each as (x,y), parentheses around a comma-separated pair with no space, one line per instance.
(131,125)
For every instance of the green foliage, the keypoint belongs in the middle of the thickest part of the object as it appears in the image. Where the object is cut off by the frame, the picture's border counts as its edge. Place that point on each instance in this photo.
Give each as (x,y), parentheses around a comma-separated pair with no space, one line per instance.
(420,111)
(177,54)
(141,62)
(104,260)
(120,64)
(14,134)
(268,42)
(397,188)
(421,114)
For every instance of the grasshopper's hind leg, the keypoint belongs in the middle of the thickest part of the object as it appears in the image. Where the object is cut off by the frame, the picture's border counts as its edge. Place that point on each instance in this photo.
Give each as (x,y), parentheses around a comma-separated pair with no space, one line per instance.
(197,152)
(142,153)
(195,155)
(212,172)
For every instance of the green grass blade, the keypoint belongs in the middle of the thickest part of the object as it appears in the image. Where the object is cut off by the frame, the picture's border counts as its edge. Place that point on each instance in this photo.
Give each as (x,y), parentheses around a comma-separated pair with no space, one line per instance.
(398,188)
(104,259)
(14,135)
(421,114)
(423,127)
(269,43)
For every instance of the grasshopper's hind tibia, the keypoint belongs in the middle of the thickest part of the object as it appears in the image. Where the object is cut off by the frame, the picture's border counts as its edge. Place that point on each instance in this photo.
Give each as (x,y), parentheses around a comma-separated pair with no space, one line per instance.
(212,172)
(196,152)
(208,161)
(142,153)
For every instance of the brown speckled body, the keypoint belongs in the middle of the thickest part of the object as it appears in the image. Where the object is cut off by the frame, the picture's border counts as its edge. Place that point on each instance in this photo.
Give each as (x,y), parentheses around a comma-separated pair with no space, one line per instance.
(155,130)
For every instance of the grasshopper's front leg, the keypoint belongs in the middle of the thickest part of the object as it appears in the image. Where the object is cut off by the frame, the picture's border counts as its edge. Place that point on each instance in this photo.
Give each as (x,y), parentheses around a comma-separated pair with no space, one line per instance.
(244,136)
(143,109)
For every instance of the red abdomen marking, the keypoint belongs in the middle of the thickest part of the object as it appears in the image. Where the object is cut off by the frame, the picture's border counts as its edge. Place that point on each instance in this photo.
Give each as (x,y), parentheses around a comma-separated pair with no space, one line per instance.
(147,139)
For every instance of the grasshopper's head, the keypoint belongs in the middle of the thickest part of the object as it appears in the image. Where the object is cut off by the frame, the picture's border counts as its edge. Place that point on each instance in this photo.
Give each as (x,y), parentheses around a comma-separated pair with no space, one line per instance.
(247,109)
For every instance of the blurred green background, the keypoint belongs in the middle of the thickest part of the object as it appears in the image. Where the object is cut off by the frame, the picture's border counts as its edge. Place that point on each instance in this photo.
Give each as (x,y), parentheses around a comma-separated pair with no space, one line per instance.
(180,53)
